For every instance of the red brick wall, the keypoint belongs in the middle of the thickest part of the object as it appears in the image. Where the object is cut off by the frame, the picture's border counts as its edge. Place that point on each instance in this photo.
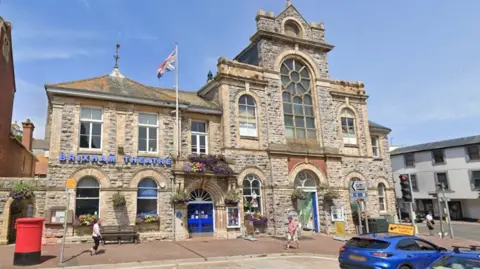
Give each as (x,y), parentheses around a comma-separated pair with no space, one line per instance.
(319,163)
(11,152)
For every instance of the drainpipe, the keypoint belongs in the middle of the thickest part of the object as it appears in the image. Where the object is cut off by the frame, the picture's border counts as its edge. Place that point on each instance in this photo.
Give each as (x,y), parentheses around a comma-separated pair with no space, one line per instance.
(173,212)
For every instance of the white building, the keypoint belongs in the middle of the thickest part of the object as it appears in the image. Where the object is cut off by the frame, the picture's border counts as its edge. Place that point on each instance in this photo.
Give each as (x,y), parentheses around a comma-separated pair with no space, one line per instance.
(455,163)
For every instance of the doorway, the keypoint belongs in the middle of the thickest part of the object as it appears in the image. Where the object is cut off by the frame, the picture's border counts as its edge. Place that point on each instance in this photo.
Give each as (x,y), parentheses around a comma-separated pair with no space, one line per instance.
(18,209)
(307,208)
(201,214)
(455,208)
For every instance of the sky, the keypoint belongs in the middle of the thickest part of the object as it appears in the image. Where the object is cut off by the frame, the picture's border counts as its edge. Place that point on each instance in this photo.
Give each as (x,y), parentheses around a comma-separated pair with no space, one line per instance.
(419,60)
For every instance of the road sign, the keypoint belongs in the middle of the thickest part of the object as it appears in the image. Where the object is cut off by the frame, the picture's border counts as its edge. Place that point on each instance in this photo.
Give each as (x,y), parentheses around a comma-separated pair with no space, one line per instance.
(358,195)
(401,229)
(358,186)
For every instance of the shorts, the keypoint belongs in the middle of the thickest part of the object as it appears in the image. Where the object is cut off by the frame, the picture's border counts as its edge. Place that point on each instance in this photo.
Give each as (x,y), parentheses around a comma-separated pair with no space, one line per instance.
(292,237)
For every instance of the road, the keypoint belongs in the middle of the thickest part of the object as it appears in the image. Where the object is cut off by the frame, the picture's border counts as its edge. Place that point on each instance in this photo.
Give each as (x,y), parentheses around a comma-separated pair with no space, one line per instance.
(470,231)
(257,263)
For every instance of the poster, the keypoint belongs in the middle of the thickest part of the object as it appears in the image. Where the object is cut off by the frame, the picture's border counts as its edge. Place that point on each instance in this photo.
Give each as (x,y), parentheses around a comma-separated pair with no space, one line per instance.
(306,214)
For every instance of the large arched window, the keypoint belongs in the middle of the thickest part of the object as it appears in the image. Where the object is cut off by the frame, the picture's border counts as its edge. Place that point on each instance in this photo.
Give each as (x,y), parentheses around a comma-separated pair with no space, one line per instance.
(348,126)
(247,110)
(297,100)
(87,197)
(305,179)
(147,196)
(291,28)
(381,197)
(252,194)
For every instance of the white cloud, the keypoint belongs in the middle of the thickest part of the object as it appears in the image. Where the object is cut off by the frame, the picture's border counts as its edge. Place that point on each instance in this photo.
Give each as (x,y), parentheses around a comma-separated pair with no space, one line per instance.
(38,53)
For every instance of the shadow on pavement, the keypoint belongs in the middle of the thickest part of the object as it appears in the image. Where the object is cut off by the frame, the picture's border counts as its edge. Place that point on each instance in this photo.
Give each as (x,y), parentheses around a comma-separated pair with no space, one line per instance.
(75,256)
(46,258)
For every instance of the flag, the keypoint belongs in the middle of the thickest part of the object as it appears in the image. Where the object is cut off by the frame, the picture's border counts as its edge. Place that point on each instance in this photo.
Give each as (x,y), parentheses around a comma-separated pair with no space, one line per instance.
(167,65)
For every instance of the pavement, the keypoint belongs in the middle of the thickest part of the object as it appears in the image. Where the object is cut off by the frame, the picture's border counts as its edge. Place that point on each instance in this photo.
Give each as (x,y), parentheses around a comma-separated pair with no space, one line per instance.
(463,230)
(209,252)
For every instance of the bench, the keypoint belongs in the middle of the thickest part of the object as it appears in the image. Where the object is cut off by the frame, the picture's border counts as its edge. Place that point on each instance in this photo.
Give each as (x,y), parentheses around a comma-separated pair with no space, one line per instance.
(119,233)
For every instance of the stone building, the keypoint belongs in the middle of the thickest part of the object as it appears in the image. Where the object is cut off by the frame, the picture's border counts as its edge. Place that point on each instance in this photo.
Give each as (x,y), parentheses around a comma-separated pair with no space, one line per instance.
(281,123)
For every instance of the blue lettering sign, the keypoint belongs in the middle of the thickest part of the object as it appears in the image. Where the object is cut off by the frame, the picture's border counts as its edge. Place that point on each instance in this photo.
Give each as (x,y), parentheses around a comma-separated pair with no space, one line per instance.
(103,159)
(141,160)
(154,161)
(126,159)
(133,160)
(71,158)
(160,161)
(111,159)
(94,158)
(168,161)
(148,161)
(85,158)
(62,157)
(79,158)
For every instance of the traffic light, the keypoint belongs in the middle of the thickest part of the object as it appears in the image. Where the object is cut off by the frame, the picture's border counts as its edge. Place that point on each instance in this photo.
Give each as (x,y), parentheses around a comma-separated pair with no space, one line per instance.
(406,189)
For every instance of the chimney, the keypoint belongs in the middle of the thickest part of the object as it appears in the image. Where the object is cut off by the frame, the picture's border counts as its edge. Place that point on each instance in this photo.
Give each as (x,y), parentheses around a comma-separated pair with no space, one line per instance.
(27,134)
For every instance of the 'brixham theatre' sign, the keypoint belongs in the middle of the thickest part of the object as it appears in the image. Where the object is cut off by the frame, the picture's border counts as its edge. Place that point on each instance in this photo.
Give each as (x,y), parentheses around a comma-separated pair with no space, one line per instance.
(86,158)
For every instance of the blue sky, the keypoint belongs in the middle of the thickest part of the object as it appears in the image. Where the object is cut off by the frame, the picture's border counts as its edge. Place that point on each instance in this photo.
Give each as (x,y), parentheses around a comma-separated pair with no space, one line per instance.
(420,60)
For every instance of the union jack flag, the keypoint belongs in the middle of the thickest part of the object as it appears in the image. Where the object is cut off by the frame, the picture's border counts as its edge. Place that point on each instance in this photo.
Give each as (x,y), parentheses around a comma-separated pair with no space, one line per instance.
(167,65)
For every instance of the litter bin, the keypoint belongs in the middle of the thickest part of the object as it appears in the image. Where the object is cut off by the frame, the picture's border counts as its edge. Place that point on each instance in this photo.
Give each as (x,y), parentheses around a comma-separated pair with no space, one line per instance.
(377,225)
(28,244)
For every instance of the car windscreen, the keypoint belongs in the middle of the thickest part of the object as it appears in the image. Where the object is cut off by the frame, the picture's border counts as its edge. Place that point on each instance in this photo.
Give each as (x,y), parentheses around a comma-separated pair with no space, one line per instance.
(455,262)
(367,243)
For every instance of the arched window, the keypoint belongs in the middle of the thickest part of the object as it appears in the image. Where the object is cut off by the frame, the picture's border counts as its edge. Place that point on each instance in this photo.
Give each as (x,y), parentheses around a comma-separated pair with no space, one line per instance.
(147,196)
(292,29)
(381,197)
(247,110)
(297,100)
(252,194)
(348,127)
(305,179)
(87,197)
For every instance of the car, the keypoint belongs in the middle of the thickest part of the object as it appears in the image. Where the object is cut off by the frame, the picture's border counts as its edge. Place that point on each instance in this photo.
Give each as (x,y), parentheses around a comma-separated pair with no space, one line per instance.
(469,259)
(386,251)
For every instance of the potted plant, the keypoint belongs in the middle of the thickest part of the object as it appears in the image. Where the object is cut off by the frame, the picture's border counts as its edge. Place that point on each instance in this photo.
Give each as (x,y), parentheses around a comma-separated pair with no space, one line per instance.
(330,195)
(179,198)
(22,191)
(299,194)
(201,163)
(147,222)
(84,224)
(118,200)
(232,198)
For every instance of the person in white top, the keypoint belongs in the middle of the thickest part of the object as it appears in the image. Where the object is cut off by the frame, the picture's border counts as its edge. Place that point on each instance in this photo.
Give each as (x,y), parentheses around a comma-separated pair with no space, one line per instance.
(430,223)
(97,236)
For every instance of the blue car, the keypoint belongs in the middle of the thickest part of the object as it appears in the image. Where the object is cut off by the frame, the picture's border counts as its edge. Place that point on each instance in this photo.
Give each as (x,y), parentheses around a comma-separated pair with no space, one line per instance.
(469,259)
(386,251)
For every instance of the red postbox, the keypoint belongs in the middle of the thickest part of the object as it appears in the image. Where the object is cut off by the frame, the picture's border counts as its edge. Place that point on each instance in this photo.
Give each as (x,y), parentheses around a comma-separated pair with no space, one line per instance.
(28,244)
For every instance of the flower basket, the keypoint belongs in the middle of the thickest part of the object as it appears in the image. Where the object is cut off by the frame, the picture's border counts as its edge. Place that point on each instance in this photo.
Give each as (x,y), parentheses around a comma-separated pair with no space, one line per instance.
(257,219)
(179,198)
(22,191)
(147,223)
(86,220)
(330,195)
(118,201)
(201,163)
(299,194)
(232,198)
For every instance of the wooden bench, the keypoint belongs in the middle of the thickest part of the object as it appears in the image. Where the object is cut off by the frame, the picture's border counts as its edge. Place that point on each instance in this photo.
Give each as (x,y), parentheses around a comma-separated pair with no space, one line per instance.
(119,233)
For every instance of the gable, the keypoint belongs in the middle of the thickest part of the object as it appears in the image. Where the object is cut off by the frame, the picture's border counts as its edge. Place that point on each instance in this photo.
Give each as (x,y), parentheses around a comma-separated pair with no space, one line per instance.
(291,13)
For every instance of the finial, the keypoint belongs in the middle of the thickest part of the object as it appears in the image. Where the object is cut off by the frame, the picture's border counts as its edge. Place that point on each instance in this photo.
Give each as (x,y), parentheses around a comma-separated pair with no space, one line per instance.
(288,4)
(209,76)
(116,57)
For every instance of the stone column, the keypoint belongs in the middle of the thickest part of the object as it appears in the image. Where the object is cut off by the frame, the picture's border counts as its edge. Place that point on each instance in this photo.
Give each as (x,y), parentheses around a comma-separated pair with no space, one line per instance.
(220,221)
(181,226)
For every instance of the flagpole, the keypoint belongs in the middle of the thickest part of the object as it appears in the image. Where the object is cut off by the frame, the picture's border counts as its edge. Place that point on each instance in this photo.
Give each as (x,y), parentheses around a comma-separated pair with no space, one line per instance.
(176,102)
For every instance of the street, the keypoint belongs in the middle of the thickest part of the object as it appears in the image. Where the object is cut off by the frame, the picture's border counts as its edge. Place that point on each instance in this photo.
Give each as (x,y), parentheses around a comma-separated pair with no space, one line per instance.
(461,230)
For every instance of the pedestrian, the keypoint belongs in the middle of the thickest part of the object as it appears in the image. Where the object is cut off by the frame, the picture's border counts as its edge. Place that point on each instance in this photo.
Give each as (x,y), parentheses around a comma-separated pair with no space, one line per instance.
(292,232)
(430,223)
(97,236)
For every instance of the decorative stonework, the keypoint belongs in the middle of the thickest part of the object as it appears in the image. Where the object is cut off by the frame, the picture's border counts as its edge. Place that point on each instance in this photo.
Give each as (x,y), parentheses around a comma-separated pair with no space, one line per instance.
(310,167)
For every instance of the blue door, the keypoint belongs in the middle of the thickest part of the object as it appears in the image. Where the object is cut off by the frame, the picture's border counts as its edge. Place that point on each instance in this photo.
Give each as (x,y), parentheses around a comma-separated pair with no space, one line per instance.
(315,212)
(200,218)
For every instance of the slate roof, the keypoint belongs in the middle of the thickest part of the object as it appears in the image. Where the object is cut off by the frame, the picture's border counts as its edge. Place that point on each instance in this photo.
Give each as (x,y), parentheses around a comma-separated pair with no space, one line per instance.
(40,144)
(125,87)
(451,143)
(375,126)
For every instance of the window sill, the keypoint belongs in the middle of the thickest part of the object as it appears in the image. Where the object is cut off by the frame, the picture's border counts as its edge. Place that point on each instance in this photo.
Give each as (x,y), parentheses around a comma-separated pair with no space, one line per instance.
(377,158)
(473,161)
(249,137)
(439,164)
(350,145)
(89,151)
(147,154)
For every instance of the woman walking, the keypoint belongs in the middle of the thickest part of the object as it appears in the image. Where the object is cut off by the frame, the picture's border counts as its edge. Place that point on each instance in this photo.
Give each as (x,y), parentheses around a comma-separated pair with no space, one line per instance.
(430,223)
(97,236)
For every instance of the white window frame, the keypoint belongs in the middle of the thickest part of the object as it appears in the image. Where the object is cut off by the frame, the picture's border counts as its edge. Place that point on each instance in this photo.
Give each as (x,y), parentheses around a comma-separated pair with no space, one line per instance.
(247,120)
(375,146)
(348,139)
(198,134)
(251,178)
(339,212)
(148,126)
(382,199)
(448,187)
(148,198)
(90,121)
(472,180)
(88,198)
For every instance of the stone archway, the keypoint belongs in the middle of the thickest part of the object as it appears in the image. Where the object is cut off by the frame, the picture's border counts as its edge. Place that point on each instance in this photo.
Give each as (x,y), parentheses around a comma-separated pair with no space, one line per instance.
(6,227)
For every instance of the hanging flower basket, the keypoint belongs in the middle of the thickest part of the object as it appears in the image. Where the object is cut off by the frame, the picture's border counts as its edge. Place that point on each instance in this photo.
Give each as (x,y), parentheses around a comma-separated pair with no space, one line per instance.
(257,218)
(22,191)
(232,198)
(299,194)
(118,201)
(330,195)
(200,163)
(179,198)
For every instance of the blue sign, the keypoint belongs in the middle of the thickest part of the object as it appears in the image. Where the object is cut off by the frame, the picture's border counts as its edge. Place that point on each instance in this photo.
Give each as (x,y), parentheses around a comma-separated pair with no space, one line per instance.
(87,158)
(359,195)
(179,214)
